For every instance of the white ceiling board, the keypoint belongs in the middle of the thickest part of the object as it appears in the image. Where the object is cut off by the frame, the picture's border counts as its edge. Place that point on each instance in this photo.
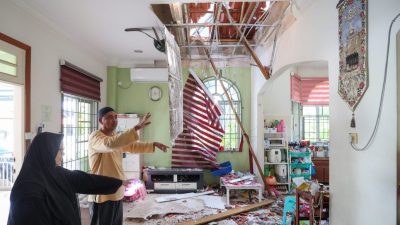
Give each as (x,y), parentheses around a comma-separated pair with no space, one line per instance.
(100,25)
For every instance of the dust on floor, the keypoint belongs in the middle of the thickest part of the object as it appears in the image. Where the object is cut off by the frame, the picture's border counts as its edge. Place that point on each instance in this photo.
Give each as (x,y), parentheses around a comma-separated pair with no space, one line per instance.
(149,212)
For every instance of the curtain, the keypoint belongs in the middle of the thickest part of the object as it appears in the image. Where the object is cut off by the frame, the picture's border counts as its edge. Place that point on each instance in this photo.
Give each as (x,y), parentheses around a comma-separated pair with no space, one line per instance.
(78,82)
(309,90)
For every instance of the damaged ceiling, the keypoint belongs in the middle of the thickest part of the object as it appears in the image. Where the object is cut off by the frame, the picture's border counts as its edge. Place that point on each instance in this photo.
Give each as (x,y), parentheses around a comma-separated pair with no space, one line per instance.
(224,28)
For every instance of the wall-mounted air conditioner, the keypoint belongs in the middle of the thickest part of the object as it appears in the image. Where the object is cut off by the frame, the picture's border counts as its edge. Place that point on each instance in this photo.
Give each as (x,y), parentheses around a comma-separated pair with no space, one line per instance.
(149,75)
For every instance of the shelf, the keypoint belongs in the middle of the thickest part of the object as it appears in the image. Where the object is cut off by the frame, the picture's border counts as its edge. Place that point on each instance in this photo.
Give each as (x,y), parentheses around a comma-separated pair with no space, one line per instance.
(265,132)
(305,175)
(300,165)
(281,163)
(275,147)
(299,154)
(276,150)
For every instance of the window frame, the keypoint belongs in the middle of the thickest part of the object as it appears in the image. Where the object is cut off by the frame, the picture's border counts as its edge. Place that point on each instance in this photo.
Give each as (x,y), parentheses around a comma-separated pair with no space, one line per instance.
(321,120)
(234,92)
(75,142)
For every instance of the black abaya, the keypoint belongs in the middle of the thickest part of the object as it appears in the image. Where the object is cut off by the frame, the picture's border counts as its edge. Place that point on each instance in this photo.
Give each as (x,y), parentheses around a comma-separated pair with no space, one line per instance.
(44,193)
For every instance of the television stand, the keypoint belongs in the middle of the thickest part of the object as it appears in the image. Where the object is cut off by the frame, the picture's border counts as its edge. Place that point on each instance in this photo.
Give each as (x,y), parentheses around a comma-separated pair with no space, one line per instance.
(173,180)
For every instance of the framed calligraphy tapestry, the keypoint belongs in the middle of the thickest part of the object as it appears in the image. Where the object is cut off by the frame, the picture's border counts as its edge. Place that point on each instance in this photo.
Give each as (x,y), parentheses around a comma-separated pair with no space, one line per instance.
(353,63)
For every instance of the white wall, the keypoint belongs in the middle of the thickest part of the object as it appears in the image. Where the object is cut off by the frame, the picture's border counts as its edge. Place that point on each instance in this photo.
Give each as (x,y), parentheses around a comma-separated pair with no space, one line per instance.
(363,184)
(48,47)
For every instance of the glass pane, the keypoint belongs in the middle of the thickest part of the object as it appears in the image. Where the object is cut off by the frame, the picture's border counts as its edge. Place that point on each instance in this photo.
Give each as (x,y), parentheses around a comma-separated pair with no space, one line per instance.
(6,119)
(309,110)
(5,56)
(8,69)
(232,135)
(325,110)
(79,121)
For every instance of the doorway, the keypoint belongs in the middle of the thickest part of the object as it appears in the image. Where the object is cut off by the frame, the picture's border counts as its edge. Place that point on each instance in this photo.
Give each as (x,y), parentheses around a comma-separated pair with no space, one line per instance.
(11,133)
(300,93)
(15,59)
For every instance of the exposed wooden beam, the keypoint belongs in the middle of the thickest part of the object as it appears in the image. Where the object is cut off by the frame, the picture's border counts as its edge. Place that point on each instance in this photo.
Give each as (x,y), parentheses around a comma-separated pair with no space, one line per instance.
(216,45)
(263,69)
(245,135)
(185,9)
(227,214)
(173,25)
(243,35)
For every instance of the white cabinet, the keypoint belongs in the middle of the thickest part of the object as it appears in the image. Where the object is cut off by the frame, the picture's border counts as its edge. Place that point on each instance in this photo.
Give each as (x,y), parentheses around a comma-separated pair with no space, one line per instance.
(173,180)
(276,161)
(132,163)
(276,155)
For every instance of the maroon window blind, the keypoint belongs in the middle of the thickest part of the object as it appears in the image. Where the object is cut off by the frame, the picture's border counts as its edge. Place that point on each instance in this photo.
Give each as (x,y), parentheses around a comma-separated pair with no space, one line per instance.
(310,91)
(78,82)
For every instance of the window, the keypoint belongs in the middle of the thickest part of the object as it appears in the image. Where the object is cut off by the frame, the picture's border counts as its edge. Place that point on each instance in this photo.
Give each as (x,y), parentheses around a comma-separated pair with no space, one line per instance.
(79,119)
(232,130)
(315,122)
(8,63)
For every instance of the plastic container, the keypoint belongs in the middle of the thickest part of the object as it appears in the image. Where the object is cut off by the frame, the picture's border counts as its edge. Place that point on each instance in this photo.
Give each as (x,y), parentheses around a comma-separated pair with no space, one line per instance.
(224,168)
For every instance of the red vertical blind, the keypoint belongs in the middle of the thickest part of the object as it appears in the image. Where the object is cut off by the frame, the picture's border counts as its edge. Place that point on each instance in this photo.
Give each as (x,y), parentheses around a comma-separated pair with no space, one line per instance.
(78,82)
(198,144)
(310,90)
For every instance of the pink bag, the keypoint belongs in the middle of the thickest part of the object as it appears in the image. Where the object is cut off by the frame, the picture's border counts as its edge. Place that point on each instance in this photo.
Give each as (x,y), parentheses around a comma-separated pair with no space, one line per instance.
(134,191)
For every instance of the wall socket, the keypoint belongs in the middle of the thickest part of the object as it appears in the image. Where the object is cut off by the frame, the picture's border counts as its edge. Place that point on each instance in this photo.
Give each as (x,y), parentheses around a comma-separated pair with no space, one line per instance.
(353,138)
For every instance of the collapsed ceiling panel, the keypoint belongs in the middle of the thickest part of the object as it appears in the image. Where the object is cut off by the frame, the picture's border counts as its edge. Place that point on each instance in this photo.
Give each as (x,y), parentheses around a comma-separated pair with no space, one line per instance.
(221,26)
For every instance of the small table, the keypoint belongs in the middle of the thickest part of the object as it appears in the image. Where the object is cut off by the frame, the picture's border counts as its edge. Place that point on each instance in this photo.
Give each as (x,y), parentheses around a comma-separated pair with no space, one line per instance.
(241,185)
(320,212)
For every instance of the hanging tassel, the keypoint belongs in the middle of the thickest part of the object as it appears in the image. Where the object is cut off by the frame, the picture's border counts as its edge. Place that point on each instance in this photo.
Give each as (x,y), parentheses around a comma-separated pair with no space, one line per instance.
(353,122)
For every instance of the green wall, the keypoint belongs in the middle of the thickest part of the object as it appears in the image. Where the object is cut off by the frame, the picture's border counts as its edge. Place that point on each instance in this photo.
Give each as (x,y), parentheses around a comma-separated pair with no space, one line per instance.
(134,98)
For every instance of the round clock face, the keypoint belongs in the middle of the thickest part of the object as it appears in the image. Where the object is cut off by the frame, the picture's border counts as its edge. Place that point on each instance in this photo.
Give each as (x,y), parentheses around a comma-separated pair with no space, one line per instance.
(155,93)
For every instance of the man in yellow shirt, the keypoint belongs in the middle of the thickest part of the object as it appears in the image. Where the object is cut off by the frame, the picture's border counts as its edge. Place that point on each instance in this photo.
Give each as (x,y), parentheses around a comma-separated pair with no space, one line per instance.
(105,158)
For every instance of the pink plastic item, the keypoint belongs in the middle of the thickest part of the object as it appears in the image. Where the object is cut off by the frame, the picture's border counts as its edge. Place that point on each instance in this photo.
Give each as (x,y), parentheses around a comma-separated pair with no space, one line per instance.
(135,190)
(281,126)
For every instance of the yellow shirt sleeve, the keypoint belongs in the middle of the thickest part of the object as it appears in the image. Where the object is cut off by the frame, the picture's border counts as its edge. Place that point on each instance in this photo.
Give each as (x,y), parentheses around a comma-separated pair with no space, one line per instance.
(101,143)
(139,147)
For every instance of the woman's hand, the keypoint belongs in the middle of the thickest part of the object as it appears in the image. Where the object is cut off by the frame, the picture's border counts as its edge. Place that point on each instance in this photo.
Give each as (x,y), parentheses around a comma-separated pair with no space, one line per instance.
(143,122)
(161,146)
(126,183)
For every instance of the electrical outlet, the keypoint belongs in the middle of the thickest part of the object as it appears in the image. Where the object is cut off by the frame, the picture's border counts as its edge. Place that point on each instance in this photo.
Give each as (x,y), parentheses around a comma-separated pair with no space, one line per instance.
(354,138)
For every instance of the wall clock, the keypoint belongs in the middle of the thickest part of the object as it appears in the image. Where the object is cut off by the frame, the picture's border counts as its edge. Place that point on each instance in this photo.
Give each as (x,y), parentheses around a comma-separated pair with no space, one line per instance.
(155,93)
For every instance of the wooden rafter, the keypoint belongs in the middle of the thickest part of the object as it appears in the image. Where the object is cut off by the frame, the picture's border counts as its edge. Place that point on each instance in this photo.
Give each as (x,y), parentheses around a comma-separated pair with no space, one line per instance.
(264,70)
(227,214)
(246,136)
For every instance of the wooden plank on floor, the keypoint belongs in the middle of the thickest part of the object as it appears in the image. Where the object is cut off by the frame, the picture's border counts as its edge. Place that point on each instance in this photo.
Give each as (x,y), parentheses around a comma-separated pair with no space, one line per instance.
(226,214)
(181,196)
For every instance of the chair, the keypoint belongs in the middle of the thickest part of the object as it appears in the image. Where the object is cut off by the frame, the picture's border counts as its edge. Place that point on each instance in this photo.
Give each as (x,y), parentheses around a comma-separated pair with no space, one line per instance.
(289,206)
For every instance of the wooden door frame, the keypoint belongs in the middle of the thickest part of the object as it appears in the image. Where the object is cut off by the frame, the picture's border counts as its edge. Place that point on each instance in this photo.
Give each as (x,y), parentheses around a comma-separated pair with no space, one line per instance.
(397,41)
(27,84)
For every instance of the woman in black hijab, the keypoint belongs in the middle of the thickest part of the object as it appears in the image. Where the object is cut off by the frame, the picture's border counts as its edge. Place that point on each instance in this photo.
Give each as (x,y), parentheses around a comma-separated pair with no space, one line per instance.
(44,193)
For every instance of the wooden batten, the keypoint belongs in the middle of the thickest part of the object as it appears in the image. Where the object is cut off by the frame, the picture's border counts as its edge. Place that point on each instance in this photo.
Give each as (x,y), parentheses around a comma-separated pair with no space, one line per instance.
(226,214)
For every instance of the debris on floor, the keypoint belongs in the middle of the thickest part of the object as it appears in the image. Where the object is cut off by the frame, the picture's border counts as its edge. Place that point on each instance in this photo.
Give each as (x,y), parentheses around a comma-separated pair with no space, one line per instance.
(267,215)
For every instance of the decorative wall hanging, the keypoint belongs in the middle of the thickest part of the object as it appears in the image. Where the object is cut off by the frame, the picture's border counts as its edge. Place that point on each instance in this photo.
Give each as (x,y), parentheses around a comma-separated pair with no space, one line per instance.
(353,63)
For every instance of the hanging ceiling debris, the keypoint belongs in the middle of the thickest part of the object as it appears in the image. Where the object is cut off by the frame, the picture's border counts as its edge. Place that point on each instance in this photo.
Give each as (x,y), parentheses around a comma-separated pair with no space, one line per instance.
(229,30)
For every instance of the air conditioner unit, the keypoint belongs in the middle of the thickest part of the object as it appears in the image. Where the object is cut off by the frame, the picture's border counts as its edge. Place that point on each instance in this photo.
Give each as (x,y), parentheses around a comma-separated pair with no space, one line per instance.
(149,74)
